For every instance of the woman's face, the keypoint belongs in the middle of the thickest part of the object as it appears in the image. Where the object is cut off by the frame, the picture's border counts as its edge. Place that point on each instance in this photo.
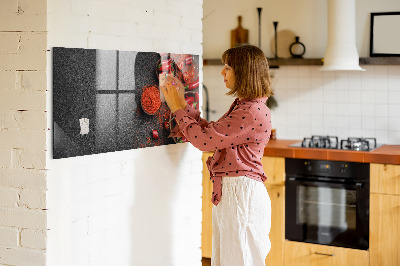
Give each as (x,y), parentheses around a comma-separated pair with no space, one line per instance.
(229,76)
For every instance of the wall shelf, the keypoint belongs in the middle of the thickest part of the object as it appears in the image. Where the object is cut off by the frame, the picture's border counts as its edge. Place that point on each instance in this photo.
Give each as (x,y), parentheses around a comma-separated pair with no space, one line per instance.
(380,61)
(274,63)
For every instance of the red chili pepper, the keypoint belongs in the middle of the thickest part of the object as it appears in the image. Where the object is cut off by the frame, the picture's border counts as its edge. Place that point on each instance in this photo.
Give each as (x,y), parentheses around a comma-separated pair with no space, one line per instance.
(180,64)
(196,97)
(189,99)
(165,65)
(165,68)
(166,125)
(188,59)
(184,139)
(192,85)
(155,134)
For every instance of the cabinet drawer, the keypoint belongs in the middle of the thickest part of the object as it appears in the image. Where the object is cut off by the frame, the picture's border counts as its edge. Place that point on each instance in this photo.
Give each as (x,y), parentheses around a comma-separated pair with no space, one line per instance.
(297,253)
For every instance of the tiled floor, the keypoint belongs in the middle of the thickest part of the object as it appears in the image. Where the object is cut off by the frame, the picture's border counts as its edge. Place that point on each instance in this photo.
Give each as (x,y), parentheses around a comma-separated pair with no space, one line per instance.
(206,261)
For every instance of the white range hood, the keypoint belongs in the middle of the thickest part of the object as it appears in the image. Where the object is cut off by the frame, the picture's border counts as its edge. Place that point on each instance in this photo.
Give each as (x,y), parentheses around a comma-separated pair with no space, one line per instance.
(341,51)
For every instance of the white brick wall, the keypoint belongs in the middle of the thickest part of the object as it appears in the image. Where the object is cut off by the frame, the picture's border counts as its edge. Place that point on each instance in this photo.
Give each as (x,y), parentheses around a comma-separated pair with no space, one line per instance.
(136,207)
(33,239)
(23,132)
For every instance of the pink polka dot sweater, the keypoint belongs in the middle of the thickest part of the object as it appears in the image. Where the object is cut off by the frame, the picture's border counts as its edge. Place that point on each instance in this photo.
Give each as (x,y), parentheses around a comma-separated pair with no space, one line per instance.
(238,139)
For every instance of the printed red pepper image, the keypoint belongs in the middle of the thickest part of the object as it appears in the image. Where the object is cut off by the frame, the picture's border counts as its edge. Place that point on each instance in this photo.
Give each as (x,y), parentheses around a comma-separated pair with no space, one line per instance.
(189,99)
(165,65)
(180,64)
(188,59)
(155,134)
(166,125)
(193,85)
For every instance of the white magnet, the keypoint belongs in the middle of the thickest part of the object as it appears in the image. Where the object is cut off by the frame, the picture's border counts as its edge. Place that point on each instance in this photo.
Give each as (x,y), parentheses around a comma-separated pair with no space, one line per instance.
(84,123)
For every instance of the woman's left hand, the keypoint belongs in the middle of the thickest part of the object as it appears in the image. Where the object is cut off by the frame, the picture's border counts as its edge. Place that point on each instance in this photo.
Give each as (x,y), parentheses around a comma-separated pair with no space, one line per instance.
(174,93)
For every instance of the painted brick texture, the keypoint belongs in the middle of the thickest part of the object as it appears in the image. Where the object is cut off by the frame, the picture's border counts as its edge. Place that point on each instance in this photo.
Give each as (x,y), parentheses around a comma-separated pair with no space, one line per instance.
(23,218)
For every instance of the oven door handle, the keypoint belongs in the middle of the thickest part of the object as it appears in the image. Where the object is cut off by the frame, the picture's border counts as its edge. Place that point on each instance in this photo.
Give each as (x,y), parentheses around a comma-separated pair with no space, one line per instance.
(357,185)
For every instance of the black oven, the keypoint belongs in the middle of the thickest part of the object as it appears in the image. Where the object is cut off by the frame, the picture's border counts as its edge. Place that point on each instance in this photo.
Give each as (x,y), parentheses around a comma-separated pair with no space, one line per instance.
(327,202)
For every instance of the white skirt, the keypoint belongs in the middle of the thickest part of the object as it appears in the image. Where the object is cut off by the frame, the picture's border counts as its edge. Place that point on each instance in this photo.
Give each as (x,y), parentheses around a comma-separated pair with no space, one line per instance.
(241,223)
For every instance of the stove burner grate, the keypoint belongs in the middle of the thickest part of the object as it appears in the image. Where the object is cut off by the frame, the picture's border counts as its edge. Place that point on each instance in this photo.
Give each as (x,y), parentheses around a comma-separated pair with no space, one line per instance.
(327,142)
(332,142)
(358,144)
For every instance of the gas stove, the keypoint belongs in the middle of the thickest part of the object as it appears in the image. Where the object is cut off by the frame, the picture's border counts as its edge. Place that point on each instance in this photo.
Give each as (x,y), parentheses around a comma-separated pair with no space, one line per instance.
(332,142)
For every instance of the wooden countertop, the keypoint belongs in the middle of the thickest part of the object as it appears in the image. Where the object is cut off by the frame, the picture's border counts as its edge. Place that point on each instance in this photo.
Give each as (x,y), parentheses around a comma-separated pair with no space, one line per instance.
(389,154)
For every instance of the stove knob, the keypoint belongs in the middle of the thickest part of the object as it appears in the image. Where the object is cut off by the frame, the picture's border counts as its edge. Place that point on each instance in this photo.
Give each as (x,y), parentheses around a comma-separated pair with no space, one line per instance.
(308,166)
(343,168)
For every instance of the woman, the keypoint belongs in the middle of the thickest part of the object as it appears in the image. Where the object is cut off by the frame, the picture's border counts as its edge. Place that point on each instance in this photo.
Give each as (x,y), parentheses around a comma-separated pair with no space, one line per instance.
(242,208)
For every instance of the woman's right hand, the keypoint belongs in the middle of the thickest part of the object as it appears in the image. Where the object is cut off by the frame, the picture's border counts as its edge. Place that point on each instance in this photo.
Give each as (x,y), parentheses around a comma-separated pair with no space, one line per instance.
(181,89)
(174,93)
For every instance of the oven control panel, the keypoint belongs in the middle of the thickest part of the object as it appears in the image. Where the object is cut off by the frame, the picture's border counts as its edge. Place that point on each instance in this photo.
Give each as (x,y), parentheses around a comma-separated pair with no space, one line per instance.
(338,169)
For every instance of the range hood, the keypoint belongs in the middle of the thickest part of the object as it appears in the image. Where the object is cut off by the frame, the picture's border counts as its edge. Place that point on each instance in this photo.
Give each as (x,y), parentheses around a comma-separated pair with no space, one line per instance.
(341,51)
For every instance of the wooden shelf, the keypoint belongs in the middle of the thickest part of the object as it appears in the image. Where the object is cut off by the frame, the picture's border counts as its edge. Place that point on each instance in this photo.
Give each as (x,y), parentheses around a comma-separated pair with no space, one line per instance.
(380,61)
(274,63)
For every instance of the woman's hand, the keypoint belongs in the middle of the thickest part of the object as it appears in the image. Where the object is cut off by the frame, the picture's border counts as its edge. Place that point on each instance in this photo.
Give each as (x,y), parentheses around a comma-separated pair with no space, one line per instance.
(174,93)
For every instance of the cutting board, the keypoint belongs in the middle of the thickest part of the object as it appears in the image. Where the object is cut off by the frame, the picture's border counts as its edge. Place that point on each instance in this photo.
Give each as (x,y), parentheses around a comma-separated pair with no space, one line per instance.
(239,35)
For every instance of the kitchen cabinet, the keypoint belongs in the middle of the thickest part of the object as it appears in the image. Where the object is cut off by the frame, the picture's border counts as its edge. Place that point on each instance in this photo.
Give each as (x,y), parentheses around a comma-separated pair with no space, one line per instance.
(206,226)
(274,168)
(277,233)
(305,254)
(385,214)
(385,178)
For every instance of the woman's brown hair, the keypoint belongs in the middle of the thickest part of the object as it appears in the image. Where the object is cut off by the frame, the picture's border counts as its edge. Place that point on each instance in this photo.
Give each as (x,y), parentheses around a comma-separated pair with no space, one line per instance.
(250,66)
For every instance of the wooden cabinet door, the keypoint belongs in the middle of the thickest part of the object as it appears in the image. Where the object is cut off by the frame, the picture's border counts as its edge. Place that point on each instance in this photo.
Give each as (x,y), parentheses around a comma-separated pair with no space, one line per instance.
(274,168)
(384,236)
(277,233)
(385,178)
(206,232)
(304,254)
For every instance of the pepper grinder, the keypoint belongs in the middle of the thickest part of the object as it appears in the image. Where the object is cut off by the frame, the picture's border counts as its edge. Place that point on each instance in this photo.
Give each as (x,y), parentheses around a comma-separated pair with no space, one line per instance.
(276,38)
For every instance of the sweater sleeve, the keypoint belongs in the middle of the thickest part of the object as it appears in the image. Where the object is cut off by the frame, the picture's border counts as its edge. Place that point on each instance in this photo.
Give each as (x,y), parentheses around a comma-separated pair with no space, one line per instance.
(229,131)
(193,113)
